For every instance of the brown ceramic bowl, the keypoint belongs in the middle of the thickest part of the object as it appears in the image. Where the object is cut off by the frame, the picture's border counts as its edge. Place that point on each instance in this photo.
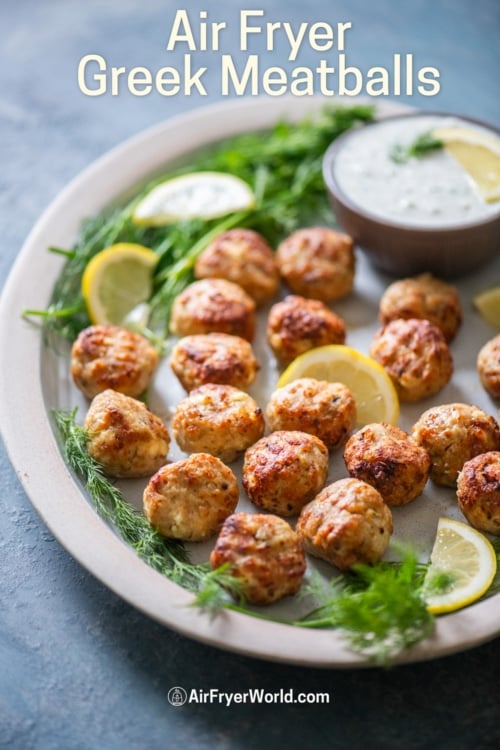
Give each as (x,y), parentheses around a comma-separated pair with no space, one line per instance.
(405,249)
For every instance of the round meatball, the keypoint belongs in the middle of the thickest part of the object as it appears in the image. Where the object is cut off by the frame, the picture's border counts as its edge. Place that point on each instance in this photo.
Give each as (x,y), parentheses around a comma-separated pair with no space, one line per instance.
(347,523)
(488,366)
(297,324)
(264,553)
(317,262)
(190,499)
(213,305)
(415,355)
(124,436)
(244,257)
(390,460)
(426,298)
(324,409)
(453,434)
(217,419)
(214,358)
(106,356)
(284,471)
(478,492)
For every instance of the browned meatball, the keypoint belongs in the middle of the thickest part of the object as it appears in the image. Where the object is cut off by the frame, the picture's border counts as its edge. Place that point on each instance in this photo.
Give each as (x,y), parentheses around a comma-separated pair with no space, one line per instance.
(244,257)
(106,356)
(297,324)
(217,419)
(426,298)
(214,358)
(478,492)
(488,366)
(324,409)
(347,523)
(213,305)
(390,460)
(285,470)
(415,355)
(317,262)
(125,437)
(264,552)
(453,434)
(190,499)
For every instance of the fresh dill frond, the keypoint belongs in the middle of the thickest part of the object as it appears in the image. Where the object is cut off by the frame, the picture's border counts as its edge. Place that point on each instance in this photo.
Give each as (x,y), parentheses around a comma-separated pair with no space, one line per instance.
(421,146)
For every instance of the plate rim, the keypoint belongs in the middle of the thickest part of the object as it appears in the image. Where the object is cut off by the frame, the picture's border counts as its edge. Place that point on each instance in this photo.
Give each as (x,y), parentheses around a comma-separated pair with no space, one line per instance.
(36,456)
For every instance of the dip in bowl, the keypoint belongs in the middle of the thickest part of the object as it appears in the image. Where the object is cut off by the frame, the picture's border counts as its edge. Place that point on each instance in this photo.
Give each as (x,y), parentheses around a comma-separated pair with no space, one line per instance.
(412,213)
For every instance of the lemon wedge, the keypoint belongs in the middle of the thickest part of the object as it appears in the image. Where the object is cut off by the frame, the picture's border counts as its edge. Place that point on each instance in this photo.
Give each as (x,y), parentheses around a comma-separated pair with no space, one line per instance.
(373,390)
(116,281)
(488,305)
(478,153)
(199,195)
(464,561)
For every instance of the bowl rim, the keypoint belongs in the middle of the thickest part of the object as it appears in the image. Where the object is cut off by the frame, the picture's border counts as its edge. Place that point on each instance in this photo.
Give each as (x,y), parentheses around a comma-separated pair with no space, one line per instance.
(338,193)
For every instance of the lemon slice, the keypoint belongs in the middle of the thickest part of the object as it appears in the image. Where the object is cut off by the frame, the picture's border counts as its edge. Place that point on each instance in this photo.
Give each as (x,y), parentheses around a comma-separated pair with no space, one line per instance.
(373,390)
(478,153)
(116,281)
(464,560)
(488,305)
(199,195)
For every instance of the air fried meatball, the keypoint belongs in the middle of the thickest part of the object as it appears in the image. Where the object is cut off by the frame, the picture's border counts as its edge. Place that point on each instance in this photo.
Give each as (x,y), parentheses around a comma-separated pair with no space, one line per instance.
(106,356)
(426,298)
(213,305)
(415,355)
(190,499)
(453,434)
(390,460)
(318,407)
(214,358)
(317,262)
(264,552)
(284,471)
(478,492)
(217,419)
(125,437)
(297,324)
(347,523)
(488,366)
(244,257)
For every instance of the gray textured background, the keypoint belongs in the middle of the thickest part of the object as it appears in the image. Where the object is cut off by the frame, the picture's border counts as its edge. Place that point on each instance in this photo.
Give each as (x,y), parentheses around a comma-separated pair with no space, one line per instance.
(79,668)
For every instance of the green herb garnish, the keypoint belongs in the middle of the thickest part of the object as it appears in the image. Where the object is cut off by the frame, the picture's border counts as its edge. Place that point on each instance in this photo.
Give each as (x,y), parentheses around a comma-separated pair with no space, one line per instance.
(282,166)
(421,146)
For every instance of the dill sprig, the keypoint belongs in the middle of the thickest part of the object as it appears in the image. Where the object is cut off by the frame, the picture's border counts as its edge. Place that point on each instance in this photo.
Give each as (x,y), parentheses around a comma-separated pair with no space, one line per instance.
(421,146)
(284,168)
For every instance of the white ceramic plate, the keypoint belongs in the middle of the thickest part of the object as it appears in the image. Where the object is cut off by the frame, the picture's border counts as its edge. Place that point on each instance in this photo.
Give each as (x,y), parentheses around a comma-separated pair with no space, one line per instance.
(37,381)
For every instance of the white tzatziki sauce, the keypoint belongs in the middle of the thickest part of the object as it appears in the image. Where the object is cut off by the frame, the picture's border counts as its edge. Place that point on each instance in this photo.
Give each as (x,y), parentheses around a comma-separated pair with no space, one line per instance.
(433,190)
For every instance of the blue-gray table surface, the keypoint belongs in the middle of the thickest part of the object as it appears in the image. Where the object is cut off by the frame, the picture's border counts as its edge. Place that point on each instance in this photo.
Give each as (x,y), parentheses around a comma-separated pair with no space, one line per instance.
(79,668)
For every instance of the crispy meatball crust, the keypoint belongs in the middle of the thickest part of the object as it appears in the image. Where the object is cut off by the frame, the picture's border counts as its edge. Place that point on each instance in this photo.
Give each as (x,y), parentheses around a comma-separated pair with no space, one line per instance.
(244,257)
(284,471)
(426,298)
(317,262)
(478,492)
(213,305)
(347,523)
(217,419)
(390,460)
(488,366)
(415,355)
(264,552)
(297,324)
(190,499)
(125,437)
(324,409)
(453,434)
(214,358)
(106,356)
